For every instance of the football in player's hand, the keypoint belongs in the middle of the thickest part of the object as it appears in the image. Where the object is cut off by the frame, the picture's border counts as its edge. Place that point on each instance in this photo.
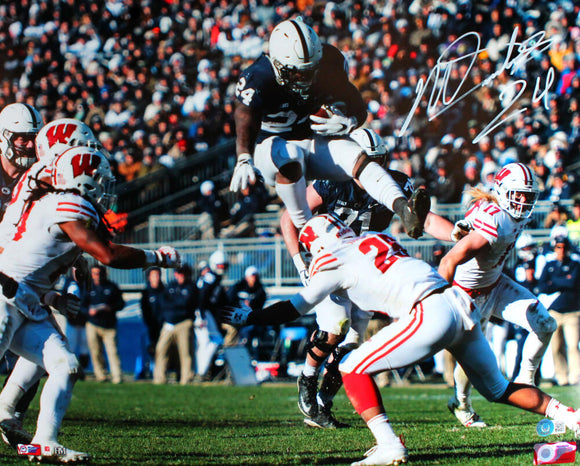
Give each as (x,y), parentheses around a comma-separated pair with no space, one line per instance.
(323,112)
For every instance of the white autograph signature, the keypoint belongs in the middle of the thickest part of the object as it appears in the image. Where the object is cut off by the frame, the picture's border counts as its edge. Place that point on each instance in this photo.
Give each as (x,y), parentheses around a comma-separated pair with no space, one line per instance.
(440,100)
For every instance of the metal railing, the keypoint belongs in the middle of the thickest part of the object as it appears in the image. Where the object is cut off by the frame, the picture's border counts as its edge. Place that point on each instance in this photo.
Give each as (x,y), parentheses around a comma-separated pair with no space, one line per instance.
(269,255)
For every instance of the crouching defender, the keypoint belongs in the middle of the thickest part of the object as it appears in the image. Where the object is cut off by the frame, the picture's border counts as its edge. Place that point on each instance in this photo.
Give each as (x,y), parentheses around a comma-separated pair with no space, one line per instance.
(58,222)
(376,273)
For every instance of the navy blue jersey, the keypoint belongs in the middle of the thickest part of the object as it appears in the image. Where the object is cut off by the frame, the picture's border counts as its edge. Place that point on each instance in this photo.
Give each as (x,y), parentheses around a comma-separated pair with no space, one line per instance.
(355,207)
(284,113)
(6,187)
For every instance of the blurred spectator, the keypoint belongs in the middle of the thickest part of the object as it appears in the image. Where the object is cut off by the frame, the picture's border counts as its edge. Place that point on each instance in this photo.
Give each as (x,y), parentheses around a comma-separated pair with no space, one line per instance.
(557,216)
(249,291)
(212,296)
(573,223)
(560,280)
(130,167)
(152,306)
(214,207)
(252,200)
(102,302)
(179,304)
(443,186)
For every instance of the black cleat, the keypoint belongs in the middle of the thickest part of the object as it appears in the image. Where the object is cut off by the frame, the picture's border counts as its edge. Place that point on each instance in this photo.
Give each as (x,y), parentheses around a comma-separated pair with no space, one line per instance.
(307,389)
(414,212)
(13,433)
(325,420)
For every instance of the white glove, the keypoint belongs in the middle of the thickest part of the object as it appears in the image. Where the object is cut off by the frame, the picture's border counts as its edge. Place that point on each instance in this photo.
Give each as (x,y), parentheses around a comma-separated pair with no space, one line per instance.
(244,172)
(460,229)
(68,305)
(301,267)
(167,257)
(236,315)
(337,124)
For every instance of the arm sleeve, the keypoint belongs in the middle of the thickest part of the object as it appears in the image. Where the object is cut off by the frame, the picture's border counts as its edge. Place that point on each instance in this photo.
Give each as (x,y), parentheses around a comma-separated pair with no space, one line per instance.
(320,286)
(279,313)
(484,223)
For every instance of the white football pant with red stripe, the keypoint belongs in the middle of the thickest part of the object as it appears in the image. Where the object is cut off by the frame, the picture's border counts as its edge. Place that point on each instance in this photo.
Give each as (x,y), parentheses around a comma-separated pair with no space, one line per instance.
(436,323)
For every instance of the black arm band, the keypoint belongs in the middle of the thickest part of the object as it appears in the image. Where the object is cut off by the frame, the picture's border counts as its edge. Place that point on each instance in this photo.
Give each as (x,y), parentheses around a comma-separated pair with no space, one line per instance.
(279,313)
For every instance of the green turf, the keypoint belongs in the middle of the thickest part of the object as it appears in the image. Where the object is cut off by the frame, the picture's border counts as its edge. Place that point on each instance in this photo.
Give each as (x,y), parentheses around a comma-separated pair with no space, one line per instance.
(140,423)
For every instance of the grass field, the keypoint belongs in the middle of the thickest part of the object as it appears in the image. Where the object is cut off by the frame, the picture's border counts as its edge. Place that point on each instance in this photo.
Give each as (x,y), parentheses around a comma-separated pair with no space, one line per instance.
(140,423)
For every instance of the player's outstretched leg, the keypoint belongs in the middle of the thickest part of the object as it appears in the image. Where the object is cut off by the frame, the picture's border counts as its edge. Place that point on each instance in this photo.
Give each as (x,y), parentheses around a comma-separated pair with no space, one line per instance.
(460,403)
(413,212)
(366,399)
(307,388)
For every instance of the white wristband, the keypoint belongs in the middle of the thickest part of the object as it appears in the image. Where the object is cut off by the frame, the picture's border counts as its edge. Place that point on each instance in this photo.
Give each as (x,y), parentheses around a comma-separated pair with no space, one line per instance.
(298,262)
(151,257)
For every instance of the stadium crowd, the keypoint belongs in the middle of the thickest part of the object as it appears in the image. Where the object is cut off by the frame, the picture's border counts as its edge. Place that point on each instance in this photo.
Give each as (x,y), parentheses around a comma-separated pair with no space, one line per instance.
(156,80)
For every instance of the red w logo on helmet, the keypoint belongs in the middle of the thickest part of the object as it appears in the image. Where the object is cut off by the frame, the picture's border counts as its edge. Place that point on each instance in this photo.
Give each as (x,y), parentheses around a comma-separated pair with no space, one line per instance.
(307,236)
(59,134)
(85,164)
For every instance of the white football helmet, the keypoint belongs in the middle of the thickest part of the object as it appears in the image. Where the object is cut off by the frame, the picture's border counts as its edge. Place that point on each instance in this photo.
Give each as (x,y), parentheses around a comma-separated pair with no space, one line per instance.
(295,52)
(516,189)
(371,143)
(322,231)
(62,134)
(19,121)
(218,262)
(526,247)
(85,170)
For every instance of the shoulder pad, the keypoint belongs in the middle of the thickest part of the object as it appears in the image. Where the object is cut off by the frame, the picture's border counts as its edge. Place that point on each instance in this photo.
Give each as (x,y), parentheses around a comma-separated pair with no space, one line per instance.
(72,207)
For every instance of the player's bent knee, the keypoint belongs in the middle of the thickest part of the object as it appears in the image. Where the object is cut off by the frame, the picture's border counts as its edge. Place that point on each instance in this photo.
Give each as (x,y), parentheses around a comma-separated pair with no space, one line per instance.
(543,323)
(324,343)
(66,365)
(291,171)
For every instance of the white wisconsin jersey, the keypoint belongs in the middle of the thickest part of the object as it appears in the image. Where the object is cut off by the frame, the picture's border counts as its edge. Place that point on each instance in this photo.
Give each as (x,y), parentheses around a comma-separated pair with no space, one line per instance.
(376,273)
(20,194)
(39,252)
(501,231)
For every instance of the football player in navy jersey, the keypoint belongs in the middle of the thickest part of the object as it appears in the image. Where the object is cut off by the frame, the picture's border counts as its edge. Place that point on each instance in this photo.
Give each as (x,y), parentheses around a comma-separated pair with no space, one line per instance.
(296,108)
(341,325)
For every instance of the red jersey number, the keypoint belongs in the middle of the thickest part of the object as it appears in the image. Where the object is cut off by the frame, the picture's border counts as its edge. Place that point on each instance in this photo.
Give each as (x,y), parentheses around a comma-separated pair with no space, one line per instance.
(381,246)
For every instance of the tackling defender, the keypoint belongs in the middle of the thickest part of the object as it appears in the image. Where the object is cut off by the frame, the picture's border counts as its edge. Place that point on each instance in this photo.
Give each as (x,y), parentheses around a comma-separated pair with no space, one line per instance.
(432,315)
(52,140)
(58,222)
(277,121)
(475,264)
(341,325)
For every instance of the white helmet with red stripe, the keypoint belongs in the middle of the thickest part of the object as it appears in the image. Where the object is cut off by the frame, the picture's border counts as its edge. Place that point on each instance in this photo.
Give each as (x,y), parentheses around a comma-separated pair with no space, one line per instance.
(516,189)
(323,231)
(85,170)
(62,134)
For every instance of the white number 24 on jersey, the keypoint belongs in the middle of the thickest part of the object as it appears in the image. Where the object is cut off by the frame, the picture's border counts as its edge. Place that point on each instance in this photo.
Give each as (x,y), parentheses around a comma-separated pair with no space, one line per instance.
(245,94)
